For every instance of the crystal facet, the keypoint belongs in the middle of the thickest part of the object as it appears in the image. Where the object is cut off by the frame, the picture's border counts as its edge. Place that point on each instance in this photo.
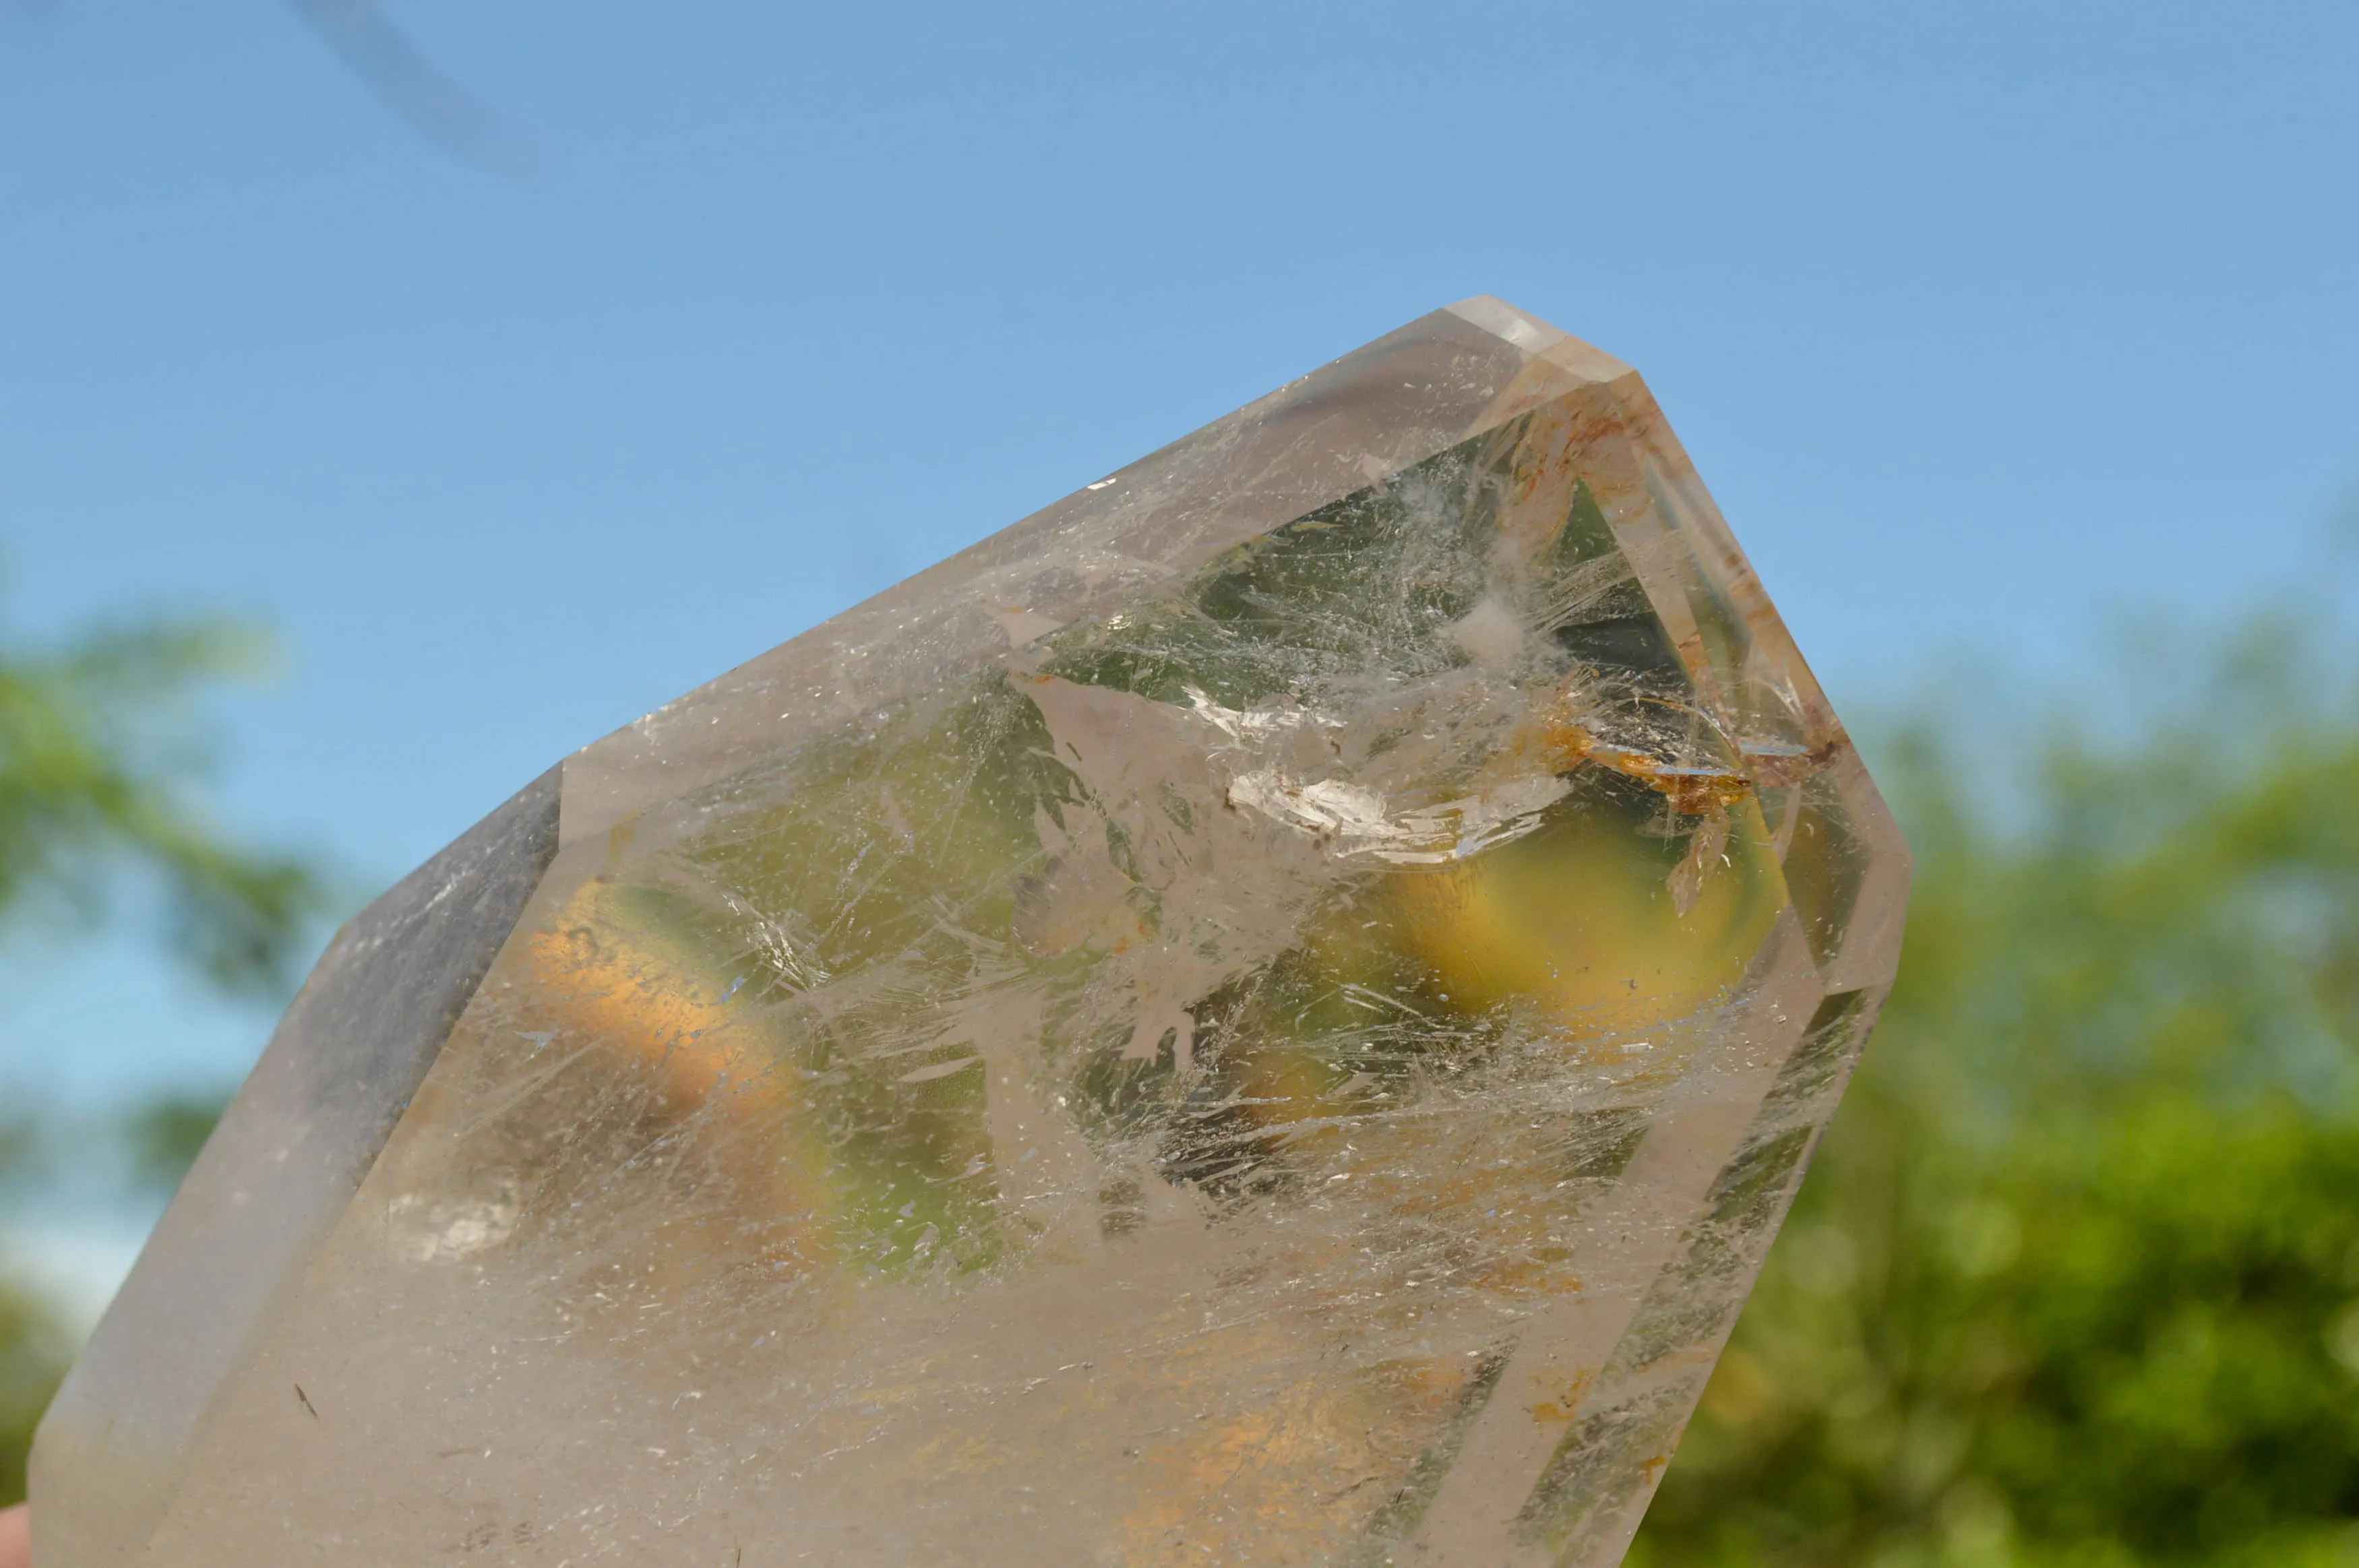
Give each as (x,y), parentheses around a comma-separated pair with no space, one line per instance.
(1264,1015)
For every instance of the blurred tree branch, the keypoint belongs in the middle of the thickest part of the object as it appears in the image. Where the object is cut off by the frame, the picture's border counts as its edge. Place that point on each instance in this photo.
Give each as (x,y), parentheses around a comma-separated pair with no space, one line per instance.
(415,90)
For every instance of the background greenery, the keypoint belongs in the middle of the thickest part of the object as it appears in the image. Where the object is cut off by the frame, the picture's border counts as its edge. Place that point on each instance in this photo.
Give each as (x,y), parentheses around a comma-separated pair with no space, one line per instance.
(103,760)
(2076,1278)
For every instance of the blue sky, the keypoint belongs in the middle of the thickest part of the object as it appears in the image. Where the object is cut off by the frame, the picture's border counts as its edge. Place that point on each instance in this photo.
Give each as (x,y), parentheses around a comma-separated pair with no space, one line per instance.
(1981,322)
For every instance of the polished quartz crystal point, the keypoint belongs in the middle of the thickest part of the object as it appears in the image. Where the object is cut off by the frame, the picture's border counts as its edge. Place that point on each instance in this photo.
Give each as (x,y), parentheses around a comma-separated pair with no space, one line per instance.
(1265,1015)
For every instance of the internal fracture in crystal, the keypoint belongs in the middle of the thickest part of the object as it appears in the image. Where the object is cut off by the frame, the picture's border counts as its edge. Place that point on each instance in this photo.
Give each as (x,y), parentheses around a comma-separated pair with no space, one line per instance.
(1265,1015)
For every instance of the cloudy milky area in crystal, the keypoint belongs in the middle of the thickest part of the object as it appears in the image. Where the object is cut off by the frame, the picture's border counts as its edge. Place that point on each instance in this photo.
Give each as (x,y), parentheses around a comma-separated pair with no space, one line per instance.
(1264,1015)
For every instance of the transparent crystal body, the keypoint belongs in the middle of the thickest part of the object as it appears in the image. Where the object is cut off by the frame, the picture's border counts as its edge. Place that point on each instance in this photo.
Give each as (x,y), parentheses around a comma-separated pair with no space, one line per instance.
(1264,1015)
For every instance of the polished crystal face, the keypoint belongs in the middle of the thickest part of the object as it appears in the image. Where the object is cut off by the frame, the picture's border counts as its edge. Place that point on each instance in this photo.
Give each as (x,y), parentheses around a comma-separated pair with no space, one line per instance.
(1265,1015)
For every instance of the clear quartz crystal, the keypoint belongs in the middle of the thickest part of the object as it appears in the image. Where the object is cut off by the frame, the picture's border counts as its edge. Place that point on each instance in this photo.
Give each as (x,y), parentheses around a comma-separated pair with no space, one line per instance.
(1265,1015)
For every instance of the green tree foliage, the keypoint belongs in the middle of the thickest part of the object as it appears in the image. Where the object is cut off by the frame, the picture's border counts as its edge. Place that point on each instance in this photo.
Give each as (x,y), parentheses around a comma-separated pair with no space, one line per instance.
(100,776)
(98,771)
(2076,1278)
(165,1135)
(33,1354)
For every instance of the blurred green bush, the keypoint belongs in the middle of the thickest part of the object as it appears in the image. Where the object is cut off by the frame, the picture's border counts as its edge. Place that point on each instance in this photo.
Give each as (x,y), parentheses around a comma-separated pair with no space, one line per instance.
(2074,1278)
(33,1354)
